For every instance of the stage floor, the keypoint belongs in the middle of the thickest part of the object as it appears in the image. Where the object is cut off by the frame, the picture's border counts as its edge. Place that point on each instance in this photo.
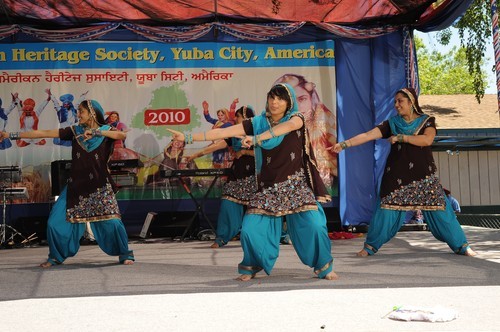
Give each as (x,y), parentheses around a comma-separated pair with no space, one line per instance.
(186,286)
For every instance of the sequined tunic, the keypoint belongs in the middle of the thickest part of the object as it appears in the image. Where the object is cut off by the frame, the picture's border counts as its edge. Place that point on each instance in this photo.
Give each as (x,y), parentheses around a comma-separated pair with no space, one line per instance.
(241,184)
(90,195)
(410,181)
(288,182)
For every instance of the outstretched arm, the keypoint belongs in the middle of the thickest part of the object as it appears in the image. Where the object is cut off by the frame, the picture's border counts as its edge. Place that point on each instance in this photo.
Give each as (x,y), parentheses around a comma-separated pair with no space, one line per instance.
(368,136)
(43,104)
(52,133)
(211,135)
(283,128)
(113,134)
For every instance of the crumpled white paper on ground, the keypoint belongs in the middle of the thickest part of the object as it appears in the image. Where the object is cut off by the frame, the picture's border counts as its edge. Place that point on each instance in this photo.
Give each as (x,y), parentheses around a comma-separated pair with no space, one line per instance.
(413,313)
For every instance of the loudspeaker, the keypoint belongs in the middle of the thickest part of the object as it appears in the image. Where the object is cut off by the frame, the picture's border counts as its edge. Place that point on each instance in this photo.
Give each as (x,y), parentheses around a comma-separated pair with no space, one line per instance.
(59,173)
(166,224)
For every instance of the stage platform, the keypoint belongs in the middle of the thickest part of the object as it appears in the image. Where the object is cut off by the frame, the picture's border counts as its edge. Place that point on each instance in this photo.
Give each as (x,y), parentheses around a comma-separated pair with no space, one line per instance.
(186,286)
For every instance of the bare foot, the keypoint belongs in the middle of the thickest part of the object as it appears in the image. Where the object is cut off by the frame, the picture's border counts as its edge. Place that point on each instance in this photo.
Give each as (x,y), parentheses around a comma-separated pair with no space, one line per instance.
(470,252)
(331,276)
(45,265)
(128,262)
(214,245)
(362,253)
(245,277)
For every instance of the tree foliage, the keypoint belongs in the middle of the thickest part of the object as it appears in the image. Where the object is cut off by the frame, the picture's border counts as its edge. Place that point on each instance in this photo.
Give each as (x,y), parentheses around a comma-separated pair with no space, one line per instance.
(475,31)
(445,74)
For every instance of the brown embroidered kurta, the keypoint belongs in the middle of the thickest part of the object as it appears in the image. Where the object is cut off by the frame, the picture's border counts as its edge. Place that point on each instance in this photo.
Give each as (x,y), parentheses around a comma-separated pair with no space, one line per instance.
(289,181)
(410,181)
(90,195)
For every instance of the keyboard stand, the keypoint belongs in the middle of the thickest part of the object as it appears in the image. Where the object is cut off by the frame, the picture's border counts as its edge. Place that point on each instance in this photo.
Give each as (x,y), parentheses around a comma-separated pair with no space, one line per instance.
(194,223)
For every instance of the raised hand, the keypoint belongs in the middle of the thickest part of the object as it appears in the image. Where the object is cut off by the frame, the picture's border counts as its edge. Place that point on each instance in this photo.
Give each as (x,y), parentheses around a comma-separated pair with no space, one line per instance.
(205,106)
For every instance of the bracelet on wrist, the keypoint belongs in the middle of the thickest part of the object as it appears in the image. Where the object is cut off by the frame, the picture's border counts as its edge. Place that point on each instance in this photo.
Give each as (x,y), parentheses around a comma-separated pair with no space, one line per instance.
(258,140)
(272,132)
(96,132)
(343,145)
(400,138)
(15,135)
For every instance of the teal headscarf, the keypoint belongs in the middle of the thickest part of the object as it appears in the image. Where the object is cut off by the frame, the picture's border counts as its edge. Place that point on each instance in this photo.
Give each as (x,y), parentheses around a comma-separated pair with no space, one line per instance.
(93,143)
(262,123)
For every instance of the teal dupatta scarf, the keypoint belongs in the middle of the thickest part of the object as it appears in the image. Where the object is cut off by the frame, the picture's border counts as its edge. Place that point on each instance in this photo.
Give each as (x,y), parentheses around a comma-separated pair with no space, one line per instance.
(400,126)
(262,123)
(94,142)
(90,144)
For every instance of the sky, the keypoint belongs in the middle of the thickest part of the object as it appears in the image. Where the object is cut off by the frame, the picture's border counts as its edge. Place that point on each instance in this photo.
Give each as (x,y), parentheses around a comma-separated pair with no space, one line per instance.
(431,42)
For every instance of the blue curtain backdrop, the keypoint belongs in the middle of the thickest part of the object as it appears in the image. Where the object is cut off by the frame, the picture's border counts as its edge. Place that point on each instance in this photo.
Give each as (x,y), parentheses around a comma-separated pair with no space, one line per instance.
(369,72)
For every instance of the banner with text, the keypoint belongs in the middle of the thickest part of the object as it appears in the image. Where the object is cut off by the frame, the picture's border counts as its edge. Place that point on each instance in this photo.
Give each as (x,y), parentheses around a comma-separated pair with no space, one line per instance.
(144,88)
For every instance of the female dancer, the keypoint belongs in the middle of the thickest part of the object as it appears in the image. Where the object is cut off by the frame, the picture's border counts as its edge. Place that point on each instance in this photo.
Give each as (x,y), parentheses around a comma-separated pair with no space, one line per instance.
(288,185)
(409,181)
(89,195)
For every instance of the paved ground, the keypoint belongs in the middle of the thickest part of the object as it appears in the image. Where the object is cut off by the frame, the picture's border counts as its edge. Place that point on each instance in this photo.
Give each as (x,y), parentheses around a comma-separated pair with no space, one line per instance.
(186,286)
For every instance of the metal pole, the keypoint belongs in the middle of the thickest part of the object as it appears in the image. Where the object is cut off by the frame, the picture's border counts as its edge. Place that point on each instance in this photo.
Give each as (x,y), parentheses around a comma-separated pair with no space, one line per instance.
(496,46)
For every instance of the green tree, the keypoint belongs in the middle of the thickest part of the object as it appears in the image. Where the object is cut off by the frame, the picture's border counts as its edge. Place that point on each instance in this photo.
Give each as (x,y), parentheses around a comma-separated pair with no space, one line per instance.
(446,73)
(475,31)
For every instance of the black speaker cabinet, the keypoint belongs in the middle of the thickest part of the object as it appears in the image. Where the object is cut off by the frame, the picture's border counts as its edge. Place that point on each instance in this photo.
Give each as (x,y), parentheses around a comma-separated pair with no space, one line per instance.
(166,224)
(59,173)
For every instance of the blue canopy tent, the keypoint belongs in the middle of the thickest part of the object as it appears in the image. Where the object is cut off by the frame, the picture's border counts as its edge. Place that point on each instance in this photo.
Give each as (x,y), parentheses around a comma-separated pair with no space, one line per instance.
(375,54)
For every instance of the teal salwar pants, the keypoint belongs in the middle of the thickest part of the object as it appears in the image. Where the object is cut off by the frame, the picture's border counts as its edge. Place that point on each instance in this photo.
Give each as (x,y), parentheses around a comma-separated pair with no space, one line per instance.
(260,240)
(229,221)
(64,237)
(443,224)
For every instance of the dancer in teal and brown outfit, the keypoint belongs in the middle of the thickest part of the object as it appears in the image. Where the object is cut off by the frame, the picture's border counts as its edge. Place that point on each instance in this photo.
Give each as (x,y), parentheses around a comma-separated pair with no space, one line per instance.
(288,185)
(409,181)
(89,195)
